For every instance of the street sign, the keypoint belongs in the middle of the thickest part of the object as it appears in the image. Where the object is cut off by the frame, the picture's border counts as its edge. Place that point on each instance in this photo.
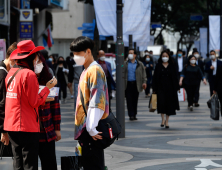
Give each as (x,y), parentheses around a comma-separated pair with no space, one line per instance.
(156,25)
(196,17)
(26,29)
(26,15)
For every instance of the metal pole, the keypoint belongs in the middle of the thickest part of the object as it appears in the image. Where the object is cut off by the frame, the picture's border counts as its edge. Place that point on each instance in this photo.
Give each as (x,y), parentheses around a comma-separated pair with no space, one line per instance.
(120,90)
(138,52)
(220,27)
(130,41)
(208,27)
(135,46)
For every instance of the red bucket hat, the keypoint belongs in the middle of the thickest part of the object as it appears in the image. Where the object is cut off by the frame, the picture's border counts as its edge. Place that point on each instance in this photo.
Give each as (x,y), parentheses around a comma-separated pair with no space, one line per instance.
(24,49)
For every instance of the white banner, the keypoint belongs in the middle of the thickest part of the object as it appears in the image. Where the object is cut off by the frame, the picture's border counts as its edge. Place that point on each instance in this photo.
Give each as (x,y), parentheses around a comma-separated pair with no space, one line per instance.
(203,42)
(214,26)
(197,45)
(136,19)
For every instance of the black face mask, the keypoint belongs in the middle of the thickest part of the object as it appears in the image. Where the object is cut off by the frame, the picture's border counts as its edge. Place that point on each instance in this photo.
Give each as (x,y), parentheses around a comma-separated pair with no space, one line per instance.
(60,62)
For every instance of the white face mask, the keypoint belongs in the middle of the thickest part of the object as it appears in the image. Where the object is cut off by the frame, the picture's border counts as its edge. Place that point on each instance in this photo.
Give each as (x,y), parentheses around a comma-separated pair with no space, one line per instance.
(197,55)
(193,61)
(212,57)
(38,68)
(102,58)
(80,60)
(146,53)
(147,59)
(130,56)
(165,59)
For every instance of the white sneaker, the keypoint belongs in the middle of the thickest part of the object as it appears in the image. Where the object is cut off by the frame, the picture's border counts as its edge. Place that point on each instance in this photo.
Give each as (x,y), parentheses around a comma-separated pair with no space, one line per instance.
(191,108)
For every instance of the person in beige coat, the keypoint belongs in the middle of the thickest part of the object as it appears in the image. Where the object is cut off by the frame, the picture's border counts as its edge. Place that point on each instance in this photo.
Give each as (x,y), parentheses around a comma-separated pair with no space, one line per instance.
(135,82)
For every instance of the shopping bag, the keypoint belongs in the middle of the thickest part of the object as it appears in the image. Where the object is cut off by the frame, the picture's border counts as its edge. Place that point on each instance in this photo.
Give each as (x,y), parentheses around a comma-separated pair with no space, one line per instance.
(6,157)
(153,103)
(181,95)
(214,109)
(71,163)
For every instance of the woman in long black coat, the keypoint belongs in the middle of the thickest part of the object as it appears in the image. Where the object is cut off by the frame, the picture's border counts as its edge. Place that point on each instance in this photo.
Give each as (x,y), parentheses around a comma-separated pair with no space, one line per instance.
(165,85)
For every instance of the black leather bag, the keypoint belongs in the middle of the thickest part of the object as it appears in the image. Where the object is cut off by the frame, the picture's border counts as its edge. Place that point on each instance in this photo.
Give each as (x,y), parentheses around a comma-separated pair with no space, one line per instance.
(104,126)
(214,107)
(71,163)
(5,150)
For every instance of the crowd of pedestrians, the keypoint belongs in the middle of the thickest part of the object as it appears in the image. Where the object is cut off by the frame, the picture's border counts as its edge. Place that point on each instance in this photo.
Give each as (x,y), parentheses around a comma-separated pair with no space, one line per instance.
(31,120)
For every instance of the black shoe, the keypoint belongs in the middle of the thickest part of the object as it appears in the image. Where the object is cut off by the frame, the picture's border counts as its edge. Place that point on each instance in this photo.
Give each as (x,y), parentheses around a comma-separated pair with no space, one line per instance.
(131,118)
(196,105)
(161,125)
(135,118)
(167,127)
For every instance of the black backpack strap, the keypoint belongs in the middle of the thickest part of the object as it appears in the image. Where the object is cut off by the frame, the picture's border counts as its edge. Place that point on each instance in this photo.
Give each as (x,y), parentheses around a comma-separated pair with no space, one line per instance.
(9,82)
(82,100)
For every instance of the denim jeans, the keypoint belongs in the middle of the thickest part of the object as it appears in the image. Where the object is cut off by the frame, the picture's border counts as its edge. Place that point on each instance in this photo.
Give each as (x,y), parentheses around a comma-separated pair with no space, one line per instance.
(75,94)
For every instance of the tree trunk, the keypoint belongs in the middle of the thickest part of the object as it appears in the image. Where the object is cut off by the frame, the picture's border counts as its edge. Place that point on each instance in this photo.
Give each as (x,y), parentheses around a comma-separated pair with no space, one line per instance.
(96,41)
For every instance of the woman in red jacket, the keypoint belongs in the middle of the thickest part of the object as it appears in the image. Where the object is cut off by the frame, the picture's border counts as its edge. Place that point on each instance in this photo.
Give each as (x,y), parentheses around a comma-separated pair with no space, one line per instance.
(22,102)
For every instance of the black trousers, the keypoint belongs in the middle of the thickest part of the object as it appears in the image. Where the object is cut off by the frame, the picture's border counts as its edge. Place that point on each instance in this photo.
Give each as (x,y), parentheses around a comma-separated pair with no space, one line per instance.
(62,88)
(191,90)
(92,156)
(148,83)
(25,146)
(197,94)
(220,98)
(132,96)
(47,155)
(212,83)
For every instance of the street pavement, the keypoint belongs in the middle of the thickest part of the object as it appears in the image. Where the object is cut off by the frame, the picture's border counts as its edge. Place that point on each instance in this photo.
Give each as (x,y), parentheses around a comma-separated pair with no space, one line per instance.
(193,142)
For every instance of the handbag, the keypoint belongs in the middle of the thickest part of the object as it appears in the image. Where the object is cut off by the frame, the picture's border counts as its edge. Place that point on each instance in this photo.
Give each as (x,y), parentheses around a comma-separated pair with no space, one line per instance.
(5,150)
(214,107)
(110,128)
(153,103)
(71,163)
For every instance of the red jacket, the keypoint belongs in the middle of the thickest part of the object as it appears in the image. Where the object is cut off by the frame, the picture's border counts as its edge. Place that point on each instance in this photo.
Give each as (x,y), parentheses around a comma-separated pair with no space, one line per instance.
(22,101)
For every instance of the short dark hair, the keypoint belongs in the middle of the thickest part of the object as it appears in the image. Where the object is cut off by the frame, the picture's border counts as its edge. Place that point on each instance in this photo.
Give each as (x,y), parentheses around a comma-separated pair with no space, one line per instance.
(213,51)
(134,51)
(11,48)
(194,51)
(179,50)
(71,54)
(82,44)
(45,54)
(184,52)
(146,51)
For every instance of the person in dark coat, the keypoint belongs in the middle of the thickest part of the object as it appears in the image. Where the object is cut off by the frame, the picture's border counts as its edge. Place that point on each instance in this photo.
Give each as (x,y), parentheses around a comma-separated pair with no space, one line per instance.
(148,64)
(218,84)
(190,77)
(165,85)
(70,63)
(200,64)
(180,62)
(211,69)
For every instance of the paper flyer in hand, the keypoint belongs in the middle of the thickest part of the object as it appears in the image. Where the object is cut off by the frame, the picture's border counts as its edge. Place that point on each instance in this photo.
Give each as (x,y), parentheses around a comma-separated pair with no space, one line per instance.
(53,91)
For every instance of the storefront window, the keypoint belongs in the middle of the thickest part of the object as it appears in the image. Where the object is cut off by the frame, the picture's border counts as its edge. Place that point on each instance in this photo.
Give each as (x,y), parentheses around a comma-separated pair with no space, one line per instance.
(2,9)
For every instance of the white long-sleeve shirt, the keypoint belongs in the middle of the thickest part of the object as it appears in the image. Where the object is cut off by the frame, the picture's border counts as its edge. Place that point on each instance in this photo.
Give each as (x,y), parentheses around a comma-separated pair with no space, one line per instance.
(93,117)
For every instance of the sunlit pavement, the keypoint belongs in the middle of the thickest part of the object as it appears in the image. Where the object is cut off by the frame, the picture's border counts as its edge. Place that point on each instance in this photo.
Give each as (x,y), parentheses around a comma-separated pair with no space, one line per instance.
(193,142)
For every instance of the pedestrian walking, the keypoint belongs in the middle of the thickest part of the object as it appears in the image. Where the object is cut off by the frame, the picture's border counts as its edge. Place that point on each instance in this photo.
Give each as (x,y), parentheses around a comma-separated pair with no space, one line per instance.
(211,69)
(218,84)
(109,77)
(5,66)
(48,62)
(135,82)
(190,77)
(165,85)
(53,61)
(94,89)
(180,63)
(200,64)
(148,64)
(21,107)
(50,119)
(206,60)
(70,63)
(61,74)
